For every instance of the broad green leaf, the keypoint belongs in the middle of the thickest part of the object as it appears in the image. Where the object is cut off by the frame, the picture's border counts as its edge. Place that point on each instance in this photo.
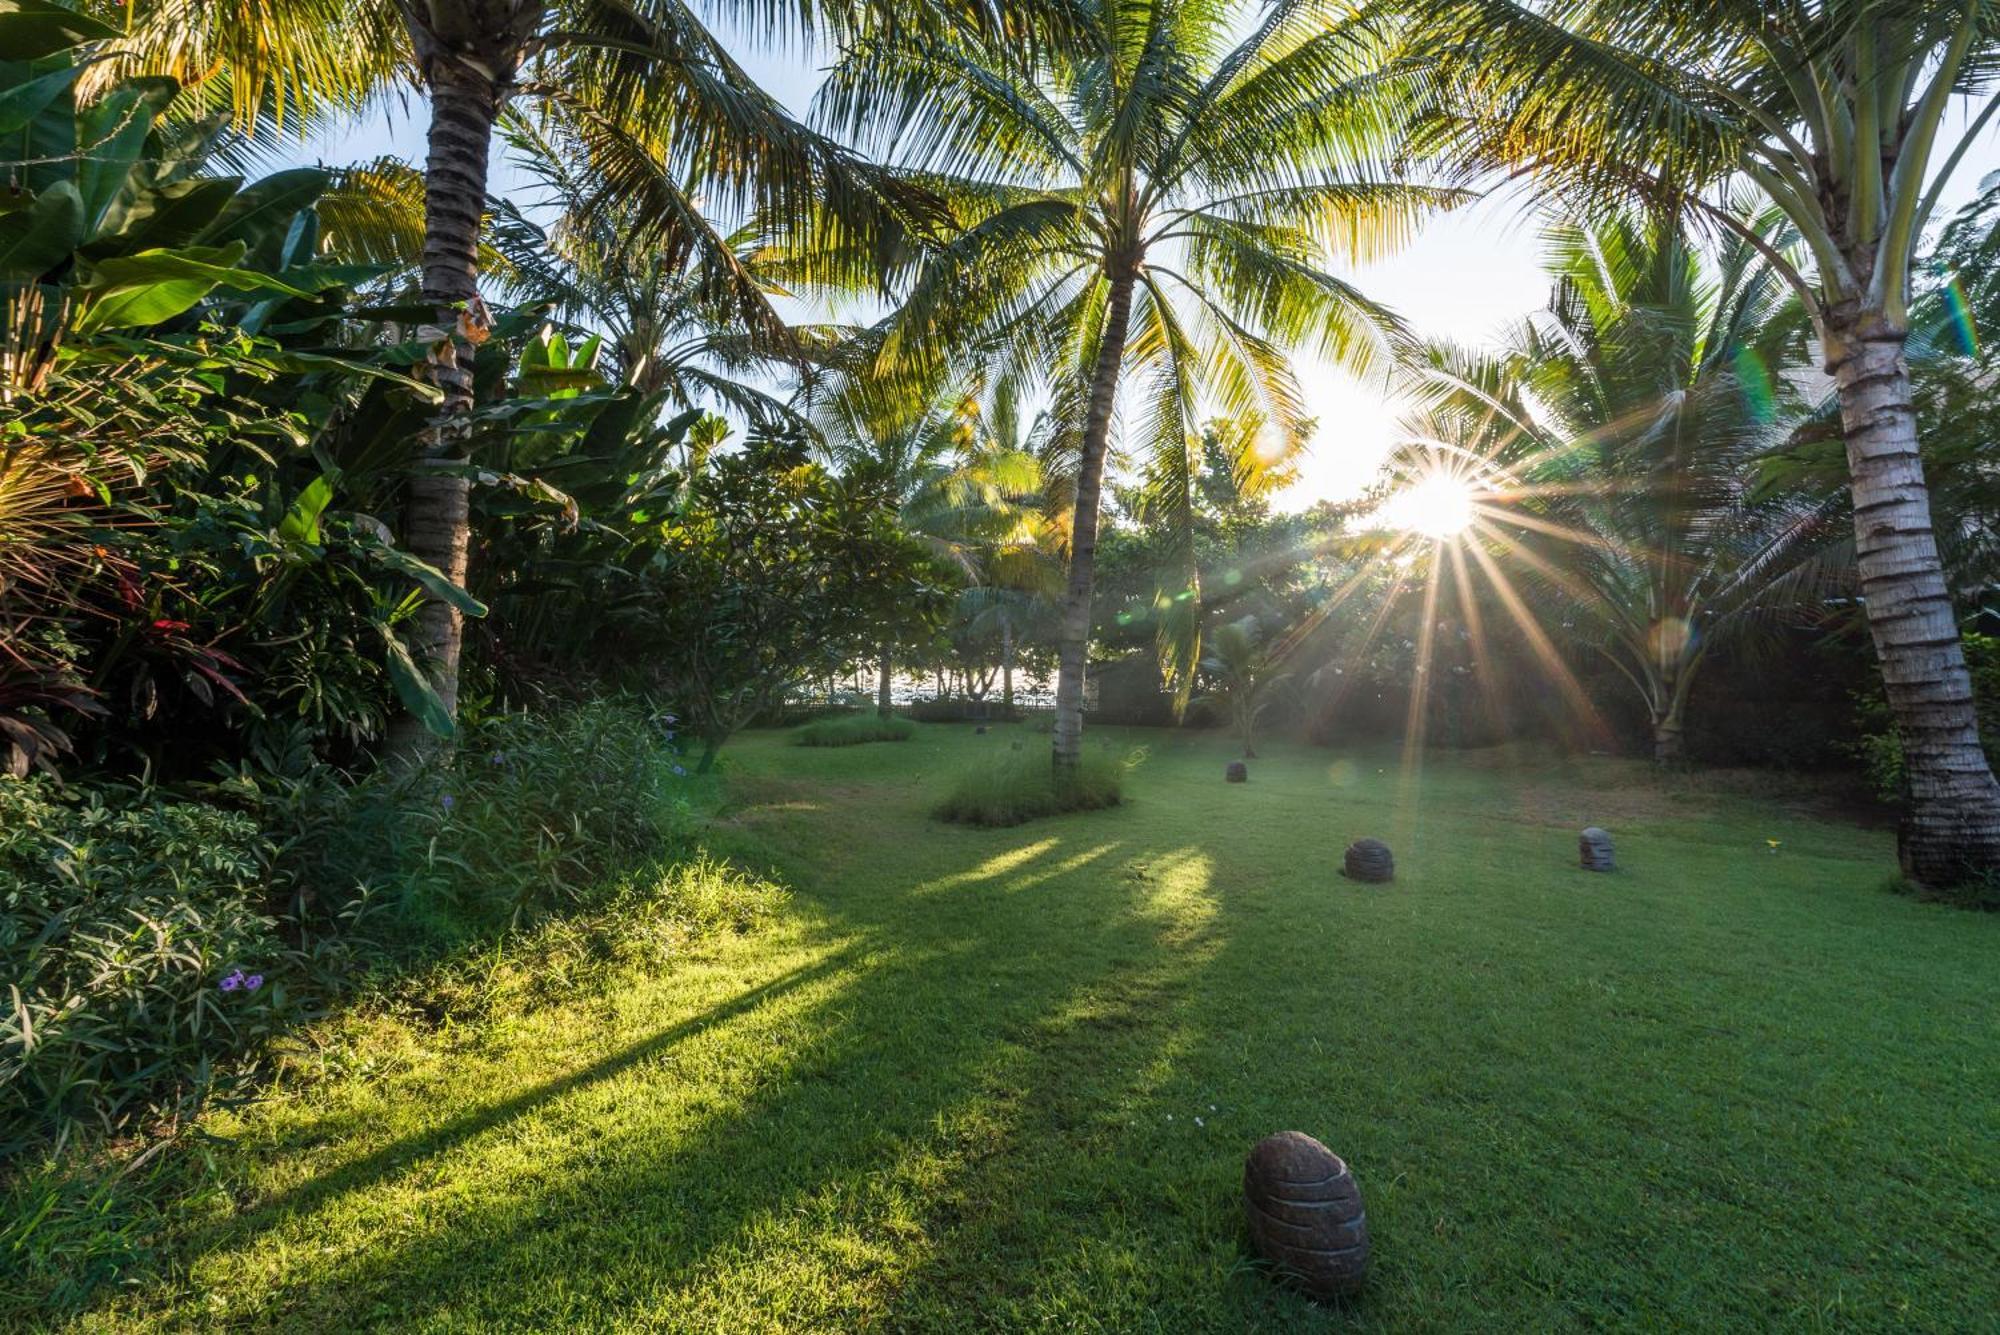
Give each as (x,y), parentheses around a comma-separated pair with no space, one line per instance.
(170,216)
(413,688)
(132,291)
(31,29)
(25,101)
(38,238)
(432,579)
(301,522)
(266,208)
(113,130)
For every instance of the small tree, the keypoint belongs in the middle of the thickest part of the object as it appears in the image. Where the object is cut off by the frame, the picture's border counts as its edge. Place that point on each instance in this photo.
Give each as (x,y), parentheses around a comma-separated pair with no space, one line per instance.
(771,572)
(1246,678)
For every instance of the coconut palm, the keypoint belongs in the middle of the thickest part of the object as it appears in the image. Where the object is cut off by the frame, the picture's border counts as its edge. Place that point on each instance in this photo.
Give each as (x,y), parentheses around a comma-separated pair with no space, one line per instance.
(1619,432)
(648,92)
(1837,111)
(1150,207)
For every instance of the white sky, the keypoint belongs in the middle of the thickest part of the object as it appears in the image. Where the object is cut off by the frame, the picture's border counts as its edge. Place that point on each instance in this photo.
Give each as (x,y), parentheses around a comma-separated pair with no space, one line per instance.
(1467,277)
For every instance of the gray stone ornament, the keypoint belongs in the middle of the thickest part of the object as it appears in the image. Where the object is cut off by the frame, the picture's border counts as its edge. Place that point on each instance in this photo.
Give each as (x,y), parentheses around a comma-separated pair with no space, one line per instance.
(1593,850)
(1305,1215)
(1238,772)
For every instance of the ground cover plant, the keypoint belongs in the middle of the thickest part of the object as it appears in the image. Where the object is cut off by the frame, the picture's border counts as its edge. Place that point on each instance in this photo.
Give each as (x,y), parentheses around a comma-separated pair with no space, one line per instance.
(1010,787)
(854,729)
(1014,1072)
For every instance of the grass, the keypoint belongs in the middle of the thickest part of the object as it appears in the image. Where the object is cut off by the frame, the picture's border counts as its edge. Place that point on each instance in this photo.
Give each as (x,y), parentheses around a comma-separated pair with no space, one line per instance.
(853,730)
(1005,1079)
(1013,787)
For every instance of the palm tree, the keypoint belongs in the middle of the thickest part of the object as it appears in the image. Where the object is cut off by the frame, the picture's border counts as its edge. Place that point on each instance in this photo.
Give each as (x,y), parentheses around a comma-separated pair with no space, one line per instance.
(1150,205)
(645,89)
(967,492)
(1836,111)
(1245,676)
(1619,434)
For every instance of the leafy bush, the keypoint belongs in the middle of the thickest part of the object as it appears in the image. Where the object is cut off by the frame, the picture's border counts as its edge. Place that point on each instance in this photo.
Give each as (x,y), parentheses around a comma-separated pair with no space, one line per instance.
(853,730)
(1878,748)
(138,949)
(1022,786)
(532,813)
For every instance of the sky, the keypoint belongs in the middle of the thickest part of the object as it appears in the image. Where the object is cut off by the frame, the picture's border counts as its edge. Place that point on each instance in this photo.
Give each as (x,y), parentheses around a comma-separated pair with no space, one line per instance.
(1467,277)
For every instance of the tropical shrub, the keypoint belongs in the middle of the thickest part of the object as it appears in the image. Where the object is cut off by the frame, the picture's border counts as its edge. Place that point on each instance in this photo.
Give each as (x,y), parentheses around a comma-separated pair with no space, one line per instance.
(1022,786)
(138,950)
(854,730)
(1878,749)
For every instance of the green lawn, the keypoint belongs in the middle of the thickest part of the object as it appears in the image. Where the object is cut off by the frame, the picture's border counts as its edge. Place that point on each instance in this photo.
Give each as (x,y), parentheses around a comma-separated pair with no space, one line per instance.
(1003,1079)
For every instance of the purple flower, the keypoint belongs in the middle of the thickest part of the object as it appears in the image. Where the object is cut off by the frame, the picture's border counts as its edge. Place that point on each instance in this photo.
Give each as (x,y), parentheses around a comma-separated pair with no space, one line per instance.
(233,981)
(253,982)
(447,802)
(499,758)
(679,771)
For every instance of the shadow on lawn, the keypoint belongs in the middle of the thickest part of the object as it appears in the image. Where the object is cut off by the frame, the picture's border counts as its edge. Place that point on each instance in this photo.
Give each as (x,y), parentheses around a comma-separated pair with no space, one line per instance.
(949,1019)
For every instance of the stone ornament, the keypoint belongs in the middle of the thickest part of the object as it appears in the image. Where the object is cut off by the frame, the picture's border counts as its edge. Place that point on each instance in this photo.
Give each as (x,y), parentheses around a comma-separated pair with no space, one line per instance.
(1370,860)
(1593,848)
(1238,772)
(1305,1215)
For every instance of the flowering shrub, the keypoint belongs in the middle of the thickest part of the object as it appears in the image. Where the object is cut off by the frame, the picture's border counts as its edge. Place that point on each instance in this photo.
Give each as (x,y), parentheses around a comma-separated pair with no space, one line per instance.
(135,944)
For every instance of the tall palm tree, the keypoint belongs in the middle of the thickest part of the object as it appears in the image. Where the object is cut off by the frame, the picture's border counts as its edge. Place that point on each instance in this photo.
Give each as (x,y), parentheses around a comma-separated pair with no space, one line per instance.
(648,92)
(1619,433)
(1149,206)
(1837,111)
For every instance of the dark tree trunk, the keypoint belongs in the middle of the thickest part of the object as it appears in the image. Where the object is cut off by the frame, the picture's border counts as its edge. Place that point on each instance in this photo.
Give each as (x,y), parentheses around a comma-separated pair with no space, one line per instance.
(1073,646)
(882,684)
(1669,743)
(468,57)
(1951,831)
(1006,664)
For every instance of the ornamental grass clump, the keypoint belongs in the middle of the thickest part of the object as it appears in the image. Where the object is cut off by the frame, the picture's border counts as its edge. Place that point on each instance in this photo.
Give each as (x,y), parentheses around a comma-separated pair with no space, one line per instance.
(853,730)
(1021,786)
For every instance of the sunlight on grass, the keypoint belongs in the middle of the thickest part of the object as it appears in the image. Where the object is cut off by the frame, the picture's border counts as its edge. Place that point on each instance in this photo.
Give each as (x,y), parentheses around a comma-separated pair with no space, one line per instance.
(997,865)
(1034,1103)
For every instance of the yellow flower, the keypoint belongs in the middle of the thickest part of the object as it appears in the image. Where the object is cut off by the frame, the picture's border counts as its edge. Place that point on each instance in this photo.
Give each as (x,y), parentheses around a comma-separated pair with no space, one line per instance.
(1774,844)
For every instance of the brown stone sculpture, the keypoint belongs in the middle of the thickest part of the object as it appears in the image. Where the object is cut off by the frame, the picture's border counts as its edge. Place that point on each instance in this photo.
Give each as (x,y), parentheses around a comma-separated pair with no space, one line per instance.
(1593,848)
(1238,772)
(1305,1215)
(1370,860)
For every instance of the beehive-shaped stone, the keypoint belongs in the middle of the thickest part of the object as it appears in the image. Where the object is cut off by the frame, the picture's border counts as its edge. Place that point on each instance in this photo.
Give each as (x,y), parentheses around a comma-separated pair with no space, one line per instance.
(1238,772)
(1593,850)
(1304,1211)
(1370,860)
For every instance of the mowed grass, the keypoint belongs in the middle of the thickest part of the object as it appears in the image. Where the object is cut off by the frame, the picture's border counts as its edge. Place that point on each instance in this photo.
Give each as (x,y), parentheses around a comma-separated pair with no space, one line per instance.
(1005,1079)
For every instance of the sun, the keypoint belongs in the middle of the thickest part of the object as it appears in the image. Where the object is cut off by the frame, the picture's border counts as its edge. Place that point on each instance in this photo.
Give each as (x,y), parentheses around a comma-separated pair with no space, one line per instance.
(1437,506)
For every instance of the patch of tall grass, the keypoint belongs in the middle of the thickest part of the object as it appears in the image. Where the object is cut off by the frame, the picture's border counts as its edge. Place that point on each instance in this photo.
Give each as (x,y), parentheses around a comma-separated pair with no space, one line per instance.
(853,730)
(1022,786)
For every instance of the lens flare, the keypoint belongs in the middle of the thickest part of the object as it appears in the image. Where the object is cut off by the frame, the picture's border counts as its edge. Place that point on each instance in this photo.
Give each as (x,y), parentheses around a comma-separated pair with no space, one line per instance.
(1959,312)
(1437,506)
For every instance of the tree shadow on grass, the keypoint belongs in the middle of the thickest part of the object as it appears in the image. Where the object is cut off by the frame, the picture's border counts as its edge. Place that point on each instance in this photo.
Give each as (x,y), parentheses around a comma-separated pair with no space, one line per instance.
(908,1044)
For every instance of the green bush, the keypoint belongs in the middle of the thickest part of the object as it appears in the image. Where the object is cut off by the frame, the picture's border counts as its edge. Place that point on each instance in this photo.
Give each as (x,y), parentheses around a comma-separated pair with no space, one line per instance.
(532,813)
(1021,786)
(138,950)
(854,729)
(1881,752)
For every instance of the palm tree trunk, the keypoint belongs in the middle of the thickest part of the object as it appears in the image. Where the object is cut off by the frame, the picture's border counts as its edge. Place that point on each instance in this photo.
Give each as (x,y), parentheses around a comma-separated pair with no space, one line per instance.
(436,517)
(882,684)
(1006,666)
(1951,830)
(1073,646)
